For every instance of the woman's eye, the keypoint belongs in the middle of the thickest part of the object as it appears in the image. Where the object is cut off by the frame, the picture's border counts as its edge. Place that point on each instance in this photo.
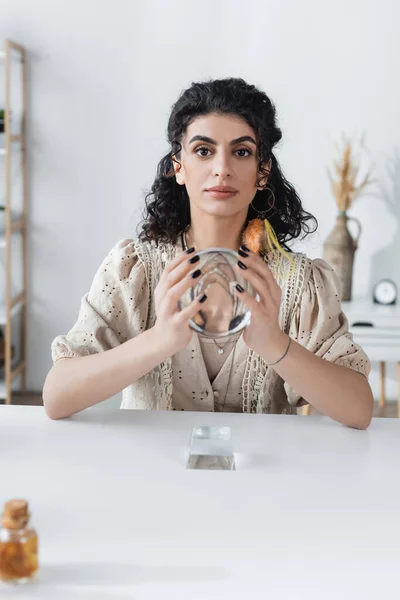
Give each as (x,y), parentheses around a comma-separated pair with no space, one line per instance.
(245,150)
(202,151)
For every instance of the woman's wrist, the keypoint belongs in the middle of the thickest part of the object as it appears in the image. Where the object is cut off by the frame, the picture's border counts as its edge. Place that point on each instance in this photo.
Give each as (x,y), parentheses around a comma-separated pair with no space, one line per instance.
(276,348)
(162,347)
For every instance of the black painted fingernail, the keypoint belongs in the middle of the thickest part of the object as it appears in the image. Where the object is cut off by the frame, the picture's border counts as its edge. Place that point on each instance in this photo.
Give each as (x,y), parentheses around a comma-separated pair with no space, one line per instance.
(244,254)
(196,274)
(245,248)
(239,288)
(189,250)
(203,298)
(194,259)
(241,265)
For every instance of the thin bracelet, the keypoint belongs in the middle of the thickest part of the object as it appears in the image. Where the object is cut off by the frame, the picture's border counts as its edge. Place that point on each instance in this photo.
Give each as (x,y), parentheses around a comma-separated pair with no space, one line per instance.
(282,357)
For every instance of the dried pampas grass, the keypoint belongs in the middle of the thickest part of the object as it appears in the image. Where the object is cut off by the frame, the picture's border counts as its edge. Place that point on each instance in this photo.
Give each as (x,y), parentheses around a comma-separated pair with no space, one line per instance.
(345,187)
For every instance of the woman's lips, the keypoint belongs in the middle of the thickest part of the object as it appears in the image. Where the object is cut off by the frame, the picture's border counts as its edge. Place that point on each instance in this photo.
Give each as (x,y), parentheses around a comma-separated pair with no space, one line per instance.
(221,195)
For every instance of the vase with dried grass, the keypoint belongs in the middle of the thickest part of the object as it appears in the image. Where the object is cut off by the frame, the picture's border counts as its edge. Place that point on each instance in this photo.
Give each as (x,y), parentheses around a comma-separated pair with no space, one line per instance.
(340,245)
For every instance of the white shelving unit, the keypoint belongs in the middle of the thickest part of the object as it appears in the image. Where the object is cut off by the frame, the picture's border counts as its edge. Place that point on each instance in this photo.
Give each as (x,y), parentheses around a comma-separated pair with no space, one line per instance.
(13,306)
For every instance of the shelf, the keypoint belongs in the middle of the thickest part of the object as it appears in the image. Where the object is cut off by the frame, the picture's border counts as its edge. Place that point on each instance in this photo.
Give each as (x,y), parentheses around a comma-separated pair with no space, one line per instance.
(15,308)
(3,394)
(14,139)
(13,56)
(377,315)
(13,70)
(17,226)
(17,369)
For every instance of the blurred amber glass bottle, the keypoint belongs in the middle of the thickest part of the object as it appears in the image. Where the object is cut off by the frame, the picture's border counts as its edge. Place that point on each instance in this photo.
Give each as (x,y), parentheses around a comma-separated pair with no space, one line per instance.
(18,544)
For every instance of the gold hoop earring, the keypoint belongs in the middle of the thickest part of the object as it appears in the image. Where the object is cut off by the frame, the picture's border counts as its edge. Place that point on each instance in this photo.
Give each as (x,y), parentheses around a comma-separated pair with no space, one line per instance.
(263,214)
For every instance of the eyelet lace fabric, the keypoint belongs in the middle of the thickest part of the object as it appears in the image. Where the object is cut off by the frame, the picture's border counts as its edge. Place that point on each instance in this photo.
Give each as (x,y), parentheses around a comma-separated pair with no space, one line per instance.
(158,383)
(120,305)
(290,278)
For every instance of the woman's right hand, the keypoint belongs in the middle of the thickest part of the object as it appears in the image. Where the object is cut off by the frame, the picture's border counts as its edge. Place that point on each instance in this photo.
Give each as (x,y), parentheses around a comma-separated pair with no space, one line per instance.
(172,324)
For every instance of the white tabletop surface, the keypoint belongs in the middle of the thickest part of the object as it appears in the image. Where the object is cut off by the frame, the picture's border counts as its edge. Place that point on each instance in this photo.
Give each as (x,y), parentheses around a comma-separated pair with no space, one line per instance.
(312,511)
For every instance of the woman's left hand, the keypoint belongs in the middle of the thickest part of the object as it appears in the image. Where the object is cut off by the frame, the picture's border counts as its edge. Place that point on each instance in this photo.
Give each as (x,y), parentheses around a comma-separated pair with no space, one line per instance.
(264,334)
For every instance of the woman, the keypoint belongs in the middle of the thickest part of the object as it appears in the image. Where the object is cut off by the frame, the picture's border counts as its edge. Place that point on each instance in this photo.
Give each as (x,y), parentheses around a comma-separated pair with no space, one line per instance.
(213,188)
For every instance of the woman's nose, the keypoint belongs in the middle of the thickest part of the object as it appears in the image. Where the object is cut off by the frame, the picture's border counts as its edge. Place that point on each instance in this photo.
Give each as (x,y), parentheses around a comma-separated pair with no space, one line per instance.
(221,166)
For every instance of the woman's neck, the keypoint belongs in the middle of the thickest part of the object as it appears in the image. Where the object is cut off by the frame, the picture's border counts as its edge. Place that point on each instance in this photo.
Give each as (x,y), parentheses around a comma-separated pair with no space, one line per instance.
(214,236)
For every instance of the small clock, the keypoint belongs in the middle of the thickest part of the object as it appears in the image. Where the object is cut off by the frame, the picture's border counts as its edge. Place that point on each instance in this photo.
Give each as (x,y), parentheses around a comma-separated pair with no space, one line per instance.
(385,292)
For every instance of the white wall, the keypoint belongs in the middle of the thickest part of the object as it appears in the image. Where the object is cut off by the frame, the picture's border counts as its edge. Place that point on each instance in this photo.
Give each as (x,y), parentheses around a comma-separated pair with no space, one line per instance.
(103,76)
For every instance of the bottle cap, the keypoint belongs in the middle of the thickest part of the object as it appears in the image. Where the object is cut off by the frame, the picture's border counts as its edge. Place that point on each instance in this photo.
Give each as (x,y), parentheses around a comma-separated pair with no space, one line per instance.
(15,514)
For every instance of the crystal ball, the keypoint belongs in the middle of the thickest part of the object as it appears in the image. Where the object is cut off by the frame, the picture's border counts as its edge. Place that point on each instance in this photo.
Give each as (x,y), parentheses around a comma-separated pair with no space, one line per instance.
(223,313)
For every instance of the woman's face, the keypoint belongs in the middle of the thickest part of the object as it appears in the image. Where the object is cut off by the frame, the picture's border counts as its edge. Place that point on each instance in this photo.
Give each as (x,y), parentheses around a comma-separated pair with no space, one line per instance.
(219,150)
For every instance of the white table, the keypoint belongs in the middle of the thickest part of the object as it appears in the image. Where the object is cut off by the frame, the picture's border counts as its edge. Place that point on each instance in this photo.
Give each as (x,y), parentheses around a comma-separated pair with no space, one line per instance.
(312,512)
(380,340)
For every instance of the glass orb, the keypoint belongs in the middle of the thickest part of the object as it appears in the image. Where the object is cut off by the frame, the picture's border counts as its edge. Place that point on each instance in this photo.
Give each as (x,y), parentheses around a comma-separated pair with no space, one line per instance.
(223,313)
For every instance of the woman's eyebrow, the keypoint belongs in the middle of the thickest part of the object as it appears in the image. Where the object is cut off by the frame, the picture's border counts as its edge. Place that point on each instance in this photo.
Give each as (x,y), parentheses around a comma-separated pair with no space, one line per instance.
(244,138)
(204,138)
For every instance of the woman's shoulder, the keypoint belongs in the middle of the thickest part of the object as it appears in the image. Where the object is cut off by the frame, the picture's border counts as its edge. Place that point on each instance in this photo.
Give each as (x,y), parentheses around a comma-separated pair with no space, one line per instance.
(288,267)
(135,249)
(120,263)
(155,254)
(135,258)
(304,282)
(315,271)
(300,276)
(300,267)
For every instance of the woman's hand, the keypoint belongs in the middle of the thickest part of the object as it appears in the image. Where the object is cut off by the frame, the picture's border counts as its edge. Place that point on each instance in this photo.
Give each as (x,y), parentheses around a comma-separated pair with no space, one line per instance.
(172,324)
(264,334)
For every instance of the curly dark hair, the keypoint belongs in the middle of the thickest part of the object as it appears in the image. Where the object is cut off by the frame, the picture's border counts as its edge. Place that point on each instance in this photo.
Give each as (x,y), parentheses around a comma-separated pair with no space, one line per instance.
(167,207)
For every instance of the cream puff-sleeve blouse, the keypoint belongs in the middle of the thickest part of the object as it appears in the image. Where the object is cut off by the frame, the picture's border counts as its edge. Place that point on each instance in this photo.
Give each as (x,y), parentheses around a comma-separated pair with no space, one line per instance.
(120,305)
